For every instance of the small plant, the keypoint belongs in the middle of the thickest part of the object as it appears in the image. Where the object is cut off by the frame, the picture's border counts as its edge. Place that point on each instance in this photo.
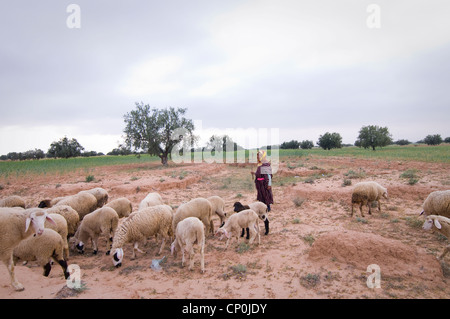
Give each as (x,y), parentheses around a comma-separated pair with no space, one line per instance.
(243,247)
(309,238)
(411,175)
(296,221)
(90,178)
(347,182)
(298,201)
(414,222)
(310,280)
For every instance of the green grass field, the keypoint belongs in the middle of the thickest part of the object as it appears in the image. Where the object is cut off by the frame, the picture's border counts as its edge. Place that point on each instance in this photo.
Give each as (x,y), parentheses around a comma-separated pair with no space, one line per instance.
(425,153)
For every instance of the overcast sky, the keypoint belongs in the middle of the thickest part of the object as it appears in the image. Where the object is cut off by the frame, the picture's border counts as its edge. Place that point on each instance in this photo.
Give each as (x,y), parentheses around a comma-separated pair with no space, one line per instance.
(301,67)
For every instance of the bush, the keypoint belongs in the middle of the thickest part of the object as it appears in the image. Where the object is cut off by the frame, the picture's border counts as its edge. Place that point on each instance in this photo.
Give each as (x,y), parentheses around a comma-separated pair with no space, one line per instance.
(433,139)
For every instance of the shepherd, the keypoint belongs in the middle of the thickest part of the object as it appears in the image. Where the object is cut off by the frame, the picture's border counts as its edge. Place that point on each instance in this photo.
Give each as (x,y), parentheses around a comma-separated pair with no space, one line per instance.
(263,179)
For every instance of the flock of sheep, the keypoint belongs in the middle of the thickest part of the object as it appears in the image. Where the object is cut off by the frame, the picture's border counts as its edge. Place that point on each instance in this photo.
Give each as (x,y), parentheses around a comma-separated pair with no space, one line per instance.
(43,234)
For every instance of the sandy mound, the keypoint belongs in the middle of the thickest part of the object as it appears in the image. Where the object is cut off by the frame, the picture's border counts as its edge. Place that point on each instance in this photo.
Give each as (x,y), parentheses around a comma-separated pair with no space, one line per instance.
(362,249)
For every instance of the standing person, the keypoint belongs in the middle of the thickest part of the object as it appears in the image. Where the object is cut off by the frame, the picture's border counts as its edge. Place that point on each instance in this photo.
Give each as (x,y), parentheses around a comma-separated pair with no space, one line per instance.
(263,183)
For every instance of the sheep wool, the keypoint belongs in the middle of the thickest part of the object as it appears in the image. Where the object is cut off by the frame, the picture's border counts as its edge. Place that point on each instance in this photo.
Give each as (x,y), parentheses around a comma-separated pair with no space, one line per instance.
(366,192)
(122,206)
(197,207)
(12,201)
(190,231)
(100,194)
(61,228)
(152,199)
(244,219)
(83,203)
(43,248)
(103,221)
(218,207)
(437,203)
(150,221)
(71,216)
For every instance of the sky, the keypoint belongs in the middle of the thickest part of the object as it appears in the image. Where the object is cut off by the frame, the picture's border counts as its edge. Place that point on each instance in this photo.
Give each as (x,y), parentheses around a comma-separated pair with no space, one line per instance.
(287,69)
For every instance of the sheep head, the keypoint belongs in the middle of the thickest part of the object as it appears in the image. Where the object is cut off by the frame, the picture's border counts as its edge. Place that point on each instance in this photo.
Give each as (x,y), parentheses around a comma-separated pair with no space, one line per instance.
(117,257)
(37,219)
(429,221)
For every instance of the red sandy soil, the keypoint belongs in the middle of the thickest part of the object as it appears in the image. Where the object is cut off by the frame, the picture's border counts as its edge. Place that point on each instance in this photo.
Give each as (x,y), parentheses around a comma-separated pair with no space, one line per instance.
(314,248)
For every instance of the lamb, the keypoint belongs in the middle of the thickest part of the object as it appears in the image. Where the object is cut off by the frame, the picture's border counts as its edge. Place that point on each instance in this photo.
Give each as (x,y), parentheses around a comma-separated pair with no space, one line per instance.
(197,207)
(366,192)
(83,203)
(259,208)
(43,248)
(150,221)
(437,203)
(103,221)
(61,229)
(122,206)
(190,231)
(442,225)
(152,199)
(15,227)
(71,216)
(244,219)
(218,205)
(100,194)
(12,201)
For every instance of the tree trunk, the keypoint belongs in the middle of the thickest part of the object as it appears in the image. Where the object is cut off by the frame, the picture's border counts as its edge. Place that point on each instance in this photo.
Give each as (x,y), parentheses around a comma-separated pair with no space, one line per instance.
(164,159)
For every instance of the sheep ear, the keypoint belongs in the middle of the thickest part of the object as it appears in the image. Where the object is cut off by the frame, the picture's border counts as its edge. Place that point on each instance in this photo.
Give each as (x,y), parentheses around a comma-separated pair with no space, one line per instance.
(51,221)
(27,223)
(227,235)
(120,253)
(437,224)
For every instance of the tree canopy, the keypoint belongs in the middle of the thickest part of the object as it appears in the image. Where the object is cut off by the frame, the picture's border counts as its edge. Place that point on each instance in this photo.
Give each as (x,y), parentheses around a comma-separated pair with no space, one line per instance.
(374,136)
(330,140)
(151,129)
(65,148)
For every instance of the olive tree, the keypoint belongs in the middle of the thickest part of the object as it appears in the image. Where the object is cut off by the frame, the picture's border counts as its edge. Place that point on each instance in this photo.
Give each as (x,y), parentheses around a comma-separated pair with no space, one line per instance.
(374,136)
(151,129)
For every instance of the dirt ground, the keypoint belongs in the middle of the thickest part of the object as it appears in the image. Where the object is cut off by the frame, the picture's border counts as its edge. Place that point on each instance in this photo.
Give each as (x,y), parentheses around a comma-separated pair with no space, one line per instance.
(314,248)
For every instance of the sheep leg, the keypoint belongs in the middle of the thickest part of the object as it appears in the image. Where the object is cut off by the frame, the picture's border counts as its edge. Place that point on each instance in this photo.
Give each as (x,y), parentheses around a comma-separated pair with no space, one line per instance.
(266,225)
(162,246)
(379,207)
(95,244)
(63,265)
(243,232)
(47,267)
(10,265)
(360,209)
(191,256)
(202,255)
(251,228)
(136,248)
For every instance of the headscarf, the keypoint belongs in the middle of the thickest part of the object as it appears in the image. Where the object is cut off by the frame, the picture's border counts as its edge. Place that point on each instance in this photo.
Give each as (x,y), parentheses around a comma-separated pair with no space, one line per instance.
(262,157)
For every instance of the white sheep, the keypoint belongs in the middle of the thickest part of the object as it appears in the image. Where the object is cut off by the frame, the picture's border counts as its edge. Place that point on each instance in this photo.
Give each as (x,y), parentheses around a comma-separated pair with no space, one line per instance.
(218,207)
(83,203)
(61,229)
(197,207)
(437,203)
(71,216)
(442,225)
(260,209)
(12,201)
(100,194)
(152,199)
(49,245)
(236,222)
(15,227)
(102,221)
(190,231)
(150,221)
(122,206)
(366,192)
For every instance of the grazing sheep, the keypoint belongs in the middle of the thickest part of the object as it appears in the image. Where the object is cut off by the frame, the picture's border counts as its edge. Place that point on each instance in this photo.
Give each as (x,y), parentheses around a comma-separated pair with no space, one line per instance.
(61,229)
(442,225)
(15,227)
(244,219)
(103,221)
(43,248)
(260,209)
(190,231)
(150,221)
(100,194)
(218,207)
(437,203)
(83,203)
(152,199)
(366,192)
(197,207)
(122,206)
(71,216)
(12,201)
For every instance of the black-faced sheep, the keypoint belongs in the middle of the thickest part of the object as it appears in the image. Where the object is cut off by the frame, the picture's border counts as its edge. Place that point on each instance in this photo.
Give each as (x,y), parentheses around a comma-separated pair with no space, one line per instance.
(366,192)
